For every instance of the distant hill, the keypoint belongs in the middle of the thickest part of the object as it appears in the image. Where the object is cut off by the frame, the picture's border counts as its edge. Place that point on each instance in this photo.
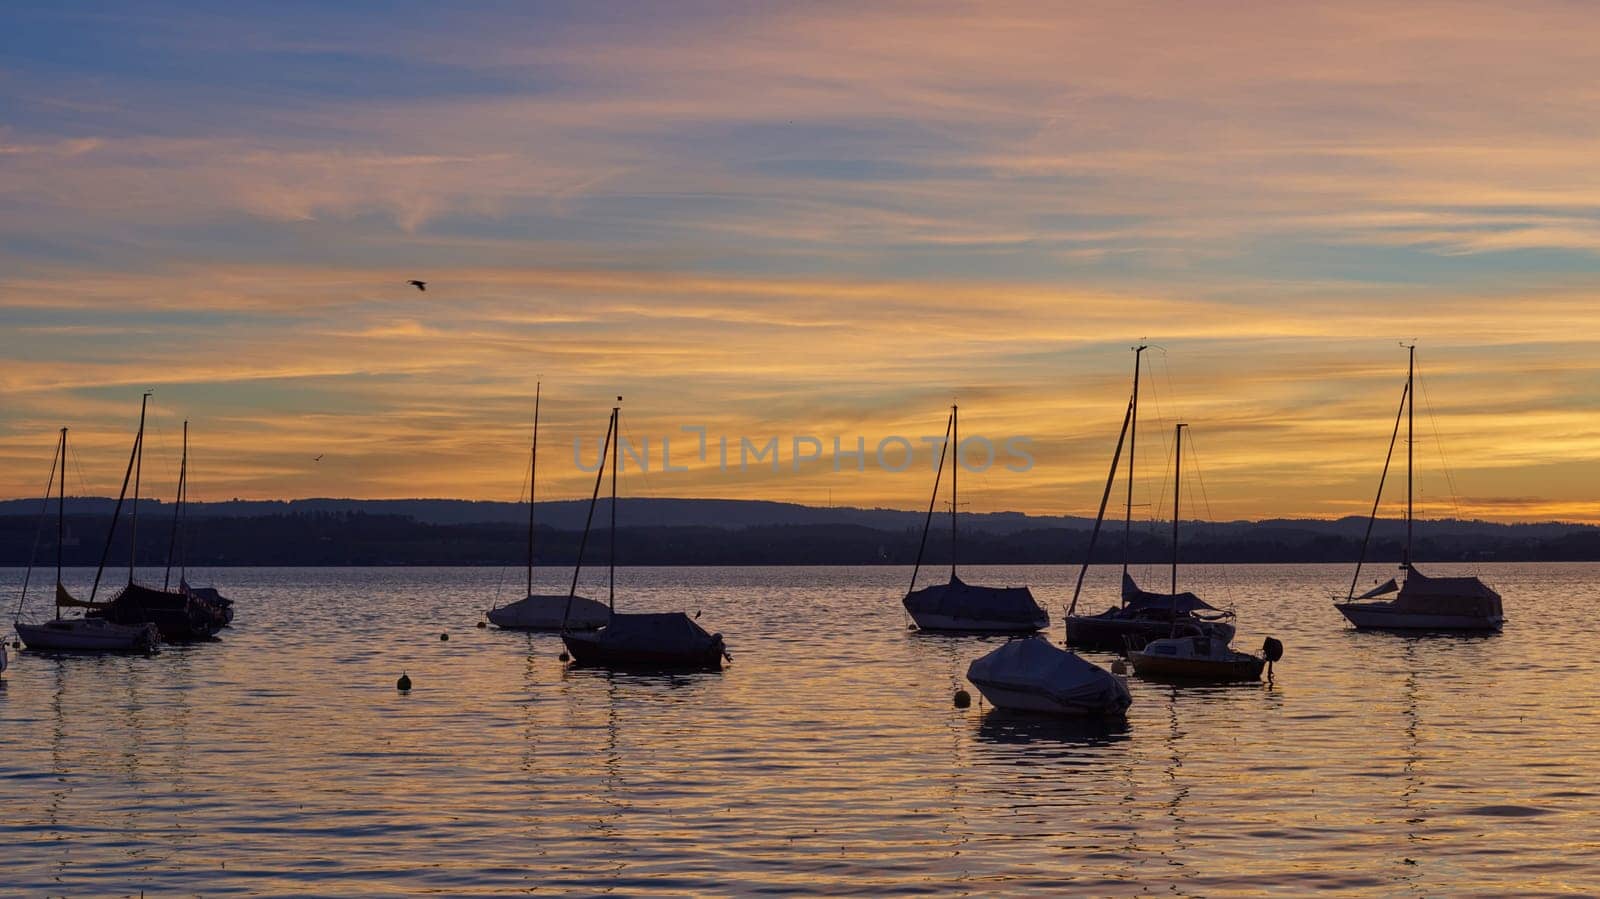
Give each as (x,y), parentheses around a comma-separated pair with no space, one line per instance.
(704,531)
(732,514)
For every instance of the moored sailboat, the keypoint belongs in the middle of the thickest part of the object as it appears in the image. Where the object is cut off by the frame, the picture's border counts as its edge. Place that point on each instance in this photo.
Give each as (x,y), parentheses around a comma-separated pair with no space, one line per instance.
(179,616)
(1422,603)
(648,641)
(958,606)
(1140,616)
(62,634)
(1188,653)
(545,612)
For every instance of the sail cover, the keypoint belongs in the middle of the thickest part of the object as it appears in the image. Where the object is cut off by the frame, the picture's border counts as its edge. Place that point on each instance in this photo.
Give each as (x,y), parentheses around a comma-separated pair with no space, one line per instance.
(1034,665)
(63,598)
(959,599)
(1385,588)
(1136,598)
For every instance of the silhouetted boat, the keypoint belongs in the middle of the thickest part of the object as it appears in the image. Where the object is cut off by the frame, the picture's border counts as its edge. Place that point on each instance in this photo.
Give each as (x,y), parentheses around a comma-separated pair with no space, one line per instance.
(1141,616)
(1195,657)
(1187,653)
(179,616)
(545,612)
(1033,675)
(959,606)
(1421,603)
(221,607)
(1146,616)
(212,597)
(75,634)
(651,641)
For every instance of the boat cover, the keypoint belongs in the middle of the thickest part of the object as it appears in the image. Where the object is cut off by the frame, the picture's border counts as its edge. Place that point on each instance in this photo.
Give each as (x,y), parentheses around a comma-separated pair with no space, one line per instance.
(1446,596)
(1136,598)
(653,632)
(959,599)
(1035,665)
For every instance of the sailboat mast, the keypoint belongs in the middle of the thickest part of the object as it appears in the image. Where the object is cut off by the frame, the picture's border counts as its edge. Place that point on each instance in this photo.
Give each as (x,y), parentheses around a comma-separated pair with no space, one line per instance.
(177,509)
(116,512)
(1366,538)
(138,463)
(1100,517)
(61,516)
(533,478)
(1411,415)
(955,463)
(588,520)
(616,450)
(1133,433)
(1177,479)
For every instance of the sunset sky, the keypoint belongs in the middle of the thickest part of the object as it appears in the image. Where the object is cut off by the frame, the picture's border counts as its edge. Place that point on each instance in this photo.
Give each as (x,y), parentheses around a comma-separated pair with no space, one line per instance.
(775,220)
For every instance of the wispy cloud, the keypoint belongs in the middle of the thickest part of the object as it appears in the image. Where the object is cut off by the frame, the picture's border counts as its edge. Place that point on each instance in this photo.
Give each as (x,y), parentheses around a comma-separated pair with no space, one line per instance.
(808,219)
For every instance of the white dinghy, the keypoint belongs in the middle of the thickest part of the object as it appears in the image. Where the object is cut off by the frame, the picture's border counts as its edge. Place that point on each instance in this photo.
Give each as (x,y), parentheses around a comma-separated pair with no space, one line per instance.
(545,612)
(1034,675)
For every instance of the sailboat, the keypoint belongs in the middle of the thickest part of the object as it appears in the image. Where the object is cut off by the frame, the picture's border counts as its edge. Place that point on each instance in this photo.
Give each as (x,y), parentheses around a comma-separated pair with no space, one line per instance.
(650,641)
(545,612)
(1142,615)
(62,634)
(1422,603)
(221,607)
(179,616)
(1188,653)
(958,606)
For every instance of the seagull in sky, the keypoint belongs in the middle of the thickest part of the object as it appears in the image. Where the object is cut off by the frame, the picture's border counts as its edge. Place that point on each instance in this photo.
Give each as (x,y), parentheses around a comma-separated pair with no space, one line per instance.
(319,457)
(420,285)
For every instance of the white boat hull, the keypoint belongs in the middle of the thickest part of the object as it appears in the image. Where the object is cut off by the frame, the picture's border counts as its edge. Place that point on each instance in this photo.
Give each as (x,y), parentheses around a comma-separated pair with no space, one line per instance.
(930,621)
(550,613)
(1379,616)
(87,635)
(1019,700)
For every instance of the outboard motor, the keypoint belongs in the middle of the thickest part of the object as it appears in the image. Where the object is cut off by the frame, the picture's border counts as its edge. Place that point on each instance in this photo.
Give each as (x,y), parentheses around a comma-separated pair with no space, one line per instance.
(1271,650)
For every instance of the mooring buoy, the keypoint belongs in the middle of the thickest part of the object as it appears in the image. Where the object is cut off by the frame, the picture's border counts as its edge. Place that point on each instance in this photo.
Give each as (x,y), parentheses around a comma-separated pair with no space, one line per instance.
(564,656)
(482,625)
(444,636)
(963,699)
(403,684)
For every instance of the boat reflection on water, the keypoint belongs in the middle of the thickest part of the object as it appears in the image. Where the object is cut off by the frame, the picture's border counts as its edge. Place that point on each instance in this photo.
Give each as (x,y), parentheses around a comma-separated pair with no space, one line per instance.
(1003,727)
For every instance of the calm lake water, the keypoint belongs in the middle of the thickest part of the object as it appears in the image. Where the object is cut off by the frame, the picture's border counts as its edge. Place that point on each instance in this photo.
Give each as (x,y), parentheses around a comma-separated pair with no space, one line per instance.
(827,759)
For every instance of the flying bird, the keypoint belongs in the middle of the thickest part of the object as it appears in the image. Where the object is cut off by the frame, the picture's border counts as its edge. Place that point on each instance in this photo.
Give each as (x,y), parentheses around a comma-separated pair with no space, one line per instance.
(420,285)
(319,457)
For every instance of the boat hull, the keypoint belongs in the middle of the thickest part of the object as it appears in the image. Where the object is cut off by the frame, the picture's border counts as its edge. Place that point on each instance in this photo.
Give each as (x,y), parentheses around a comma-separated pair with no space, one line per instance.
(1022,699)
(1380,616)
(87,635)
(954,624)
(548,612)
(1214,671)
(592,650)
